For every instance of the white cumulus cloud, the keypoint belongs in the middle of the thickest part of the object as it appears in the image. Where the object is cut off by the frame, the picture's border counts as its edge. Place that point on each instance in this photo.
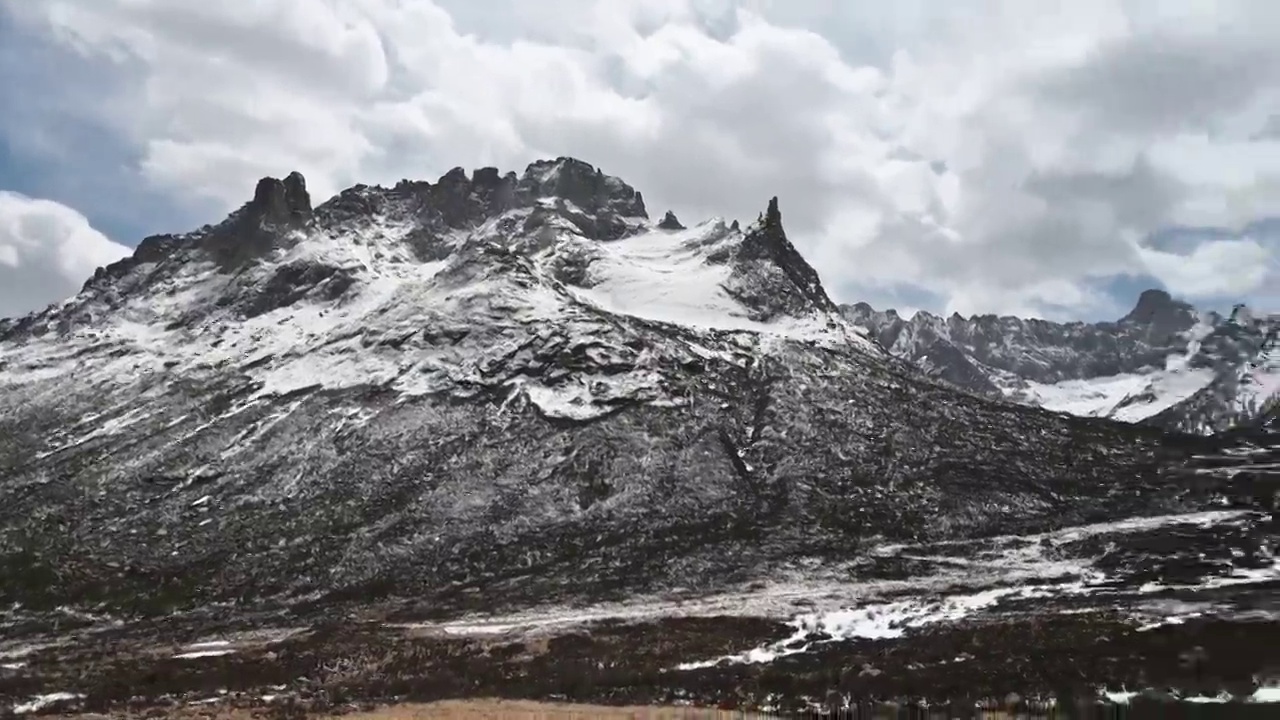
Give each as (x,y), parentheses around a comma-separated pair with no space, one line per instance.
(1000,155)
(47,251)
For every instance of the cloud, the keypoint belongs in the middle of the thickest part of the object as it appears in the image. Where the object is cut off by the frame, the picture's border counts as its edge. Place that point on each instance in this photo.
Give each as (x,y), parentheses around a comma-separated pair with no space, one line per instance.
(1007,159)
(1216,267)
(47,250)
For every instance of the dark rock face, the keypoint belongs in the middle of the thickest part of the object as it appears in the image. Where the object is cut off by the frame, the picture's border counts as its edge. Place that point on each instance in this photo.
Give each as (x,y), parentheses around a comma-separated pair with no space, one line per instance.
(278,208)
(290,283)
(281,202)
(581,184)
(947,362)
(462,202)
(429,496)
(1161,313)
(669,222)
(604,207)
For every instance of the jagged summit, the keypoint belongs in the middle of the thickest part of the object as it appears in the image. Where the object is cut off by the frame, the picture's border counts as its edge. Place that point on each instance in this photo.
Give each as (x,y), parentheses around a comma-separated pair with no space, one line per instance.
(670,222)
(1154,306)
(767,242)
(610,206)
(280,286)
(603,206)
(1159,310)
(583,185)
(1149,302)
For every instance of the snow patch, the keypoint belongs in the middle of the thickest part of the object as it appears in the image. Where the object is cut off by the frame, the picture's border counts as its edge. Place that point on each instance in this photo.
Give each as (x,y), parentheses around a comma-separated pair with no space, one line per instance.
(1266,695)
(208,649)
(876,621)
(1130,397)
(665,276)
(1121,697)
(40,702)
(196,654)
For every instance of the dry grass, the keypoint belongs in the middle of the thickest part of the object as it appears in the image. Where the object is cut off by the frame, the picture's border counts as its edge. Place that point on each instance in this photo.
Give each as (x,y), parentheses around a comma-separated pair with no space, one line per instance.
(523,710)
(469,710)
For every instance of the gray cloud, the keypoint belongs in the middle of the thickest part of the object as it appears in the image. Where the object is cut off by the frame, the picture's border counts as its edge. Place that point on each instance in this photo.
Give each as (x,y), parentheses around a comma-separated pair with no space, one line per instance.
(1147,85)
(1004,160)
(1270,130)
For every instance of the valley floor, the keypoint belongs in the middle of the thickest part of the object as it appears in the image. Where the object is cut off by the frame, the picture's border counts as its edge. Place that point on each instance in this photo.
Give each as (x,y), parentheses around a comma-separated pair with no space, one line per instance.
(483,709)
(1186,607)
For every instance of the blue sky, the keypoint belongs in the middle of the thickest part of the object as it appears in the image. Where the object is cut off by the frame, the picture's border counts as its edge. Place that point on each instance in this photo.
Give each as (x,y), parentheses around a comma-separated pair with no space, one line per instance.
(51,148)
(926,156)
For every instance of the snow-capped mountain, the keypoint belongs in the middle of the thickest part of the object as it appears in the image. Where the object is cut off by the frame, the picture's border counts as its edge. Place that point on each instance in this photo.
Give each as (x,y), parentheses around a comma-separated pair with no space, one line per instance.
(469,378)
(518,396)
(1163,363)
(422,288)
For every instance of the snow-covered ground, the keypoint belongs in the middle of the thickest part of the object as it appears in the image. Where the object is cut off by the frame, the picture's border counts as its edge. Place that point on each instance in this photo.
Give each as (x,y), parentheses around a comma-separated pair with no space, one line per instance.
(40,702)
(823,608)
(1130,396)
(664,275)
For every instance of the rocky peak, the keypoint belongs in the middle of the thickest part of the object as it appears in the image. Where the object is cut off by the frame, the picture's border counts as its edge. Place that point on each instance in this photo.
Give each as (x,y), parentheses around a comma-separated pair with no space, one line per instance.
(670,222)
(768,274)
(451,194)
(772,216)
(277,207)
(1158,310)
(767,239)
(1241,314)
(766,244)
(281,202)
(490,179)
(463,201)
(583,185)
(601,206)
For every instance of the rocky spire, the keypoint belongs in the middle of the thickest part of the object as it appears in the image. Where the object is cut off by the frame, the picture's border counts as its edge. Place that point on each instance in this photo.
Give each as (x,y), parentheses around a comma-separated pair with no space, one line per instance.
(251,232)
(772,216)
(766,240)
(281,202)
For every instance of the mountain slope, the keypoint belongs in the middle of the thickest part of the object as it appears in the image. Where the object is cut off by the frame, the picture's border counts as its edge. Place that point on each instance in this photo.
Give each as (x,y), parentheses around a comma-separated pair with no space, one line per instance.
(477,382)
(1164,363)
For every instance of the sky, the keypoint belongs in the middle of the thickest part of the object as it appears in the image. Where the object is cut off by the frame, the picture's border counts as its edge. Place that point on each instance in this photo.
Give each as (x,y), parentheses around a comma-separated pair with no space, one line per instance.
(1049,158)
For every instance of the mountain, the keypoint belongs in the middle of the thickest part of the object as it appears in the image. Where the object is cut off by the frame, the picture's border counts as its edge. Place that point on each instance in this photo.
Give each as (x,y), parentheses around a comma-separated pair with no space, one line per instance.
(360,450)
(1164,363)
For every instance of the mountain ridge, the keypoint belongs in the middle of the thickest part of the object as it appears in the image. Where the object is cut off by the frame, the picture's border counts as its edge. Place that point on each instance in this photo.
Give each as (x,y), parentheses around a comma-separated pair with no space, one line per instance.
(1164,362)
(317,337)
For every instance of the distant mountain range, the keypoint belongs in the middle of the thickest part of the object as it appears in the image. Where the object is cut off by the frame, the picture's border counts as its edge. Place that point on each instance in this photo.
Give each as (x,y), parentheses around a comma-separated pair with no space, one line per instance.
(1164,363)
